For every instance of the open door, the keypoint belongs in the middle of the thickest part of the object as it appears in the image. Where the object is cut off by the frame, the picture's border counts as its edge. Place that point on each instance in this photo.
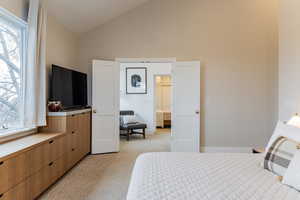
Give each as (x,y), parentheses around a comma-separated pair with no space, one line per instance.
(186,107)
(105,117)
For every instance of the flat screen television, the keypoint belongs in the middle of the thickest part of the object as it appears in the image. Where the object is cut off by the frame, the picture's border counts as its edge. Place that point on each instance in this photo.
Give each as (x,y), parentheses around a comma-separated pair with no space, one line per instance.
(69,87)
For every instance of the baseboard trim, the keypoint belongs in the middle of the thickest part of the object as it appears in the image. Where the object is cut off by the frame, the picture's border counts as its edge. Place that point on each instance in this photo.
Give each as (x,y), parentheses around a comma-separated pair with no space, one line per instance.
(226,149)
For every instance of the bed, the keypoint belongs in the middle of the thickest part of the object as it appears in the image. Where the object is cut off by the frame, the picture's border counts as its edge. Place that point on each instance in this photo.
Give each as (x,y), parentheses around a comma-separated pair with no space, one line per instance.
(194,176)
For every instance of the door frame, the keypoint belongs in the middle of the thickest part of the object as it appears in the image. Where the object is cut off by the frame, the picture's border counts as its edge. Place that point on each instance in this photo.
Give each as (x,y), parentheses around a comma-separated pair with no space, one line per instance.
(154,95)
(171,60)
(146,60)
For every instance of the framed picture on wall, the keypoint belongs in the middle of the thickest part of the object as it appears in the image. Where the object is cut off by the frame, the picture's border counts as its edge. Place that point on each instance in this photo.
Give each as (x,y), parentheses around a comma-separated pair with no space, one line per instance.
(136,80)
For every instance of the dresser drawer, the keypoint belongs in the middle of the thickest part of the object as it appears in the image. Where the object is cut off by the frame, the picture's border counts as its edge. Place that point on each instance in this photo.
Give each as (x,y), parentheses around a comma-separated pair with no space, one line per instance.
(62,166)
(40,181)
(46,153)
(73,139)
(72,153)
(85,134)
(13,171)
(20,192)
(33,186)
(73,157)
(72,123)
(57,147)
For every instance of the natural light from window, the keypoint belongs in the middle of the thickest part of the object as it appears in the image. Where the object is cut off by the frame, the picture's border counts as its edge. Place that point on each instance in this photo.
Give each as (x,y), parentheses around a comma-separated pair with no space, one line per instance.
(12,40)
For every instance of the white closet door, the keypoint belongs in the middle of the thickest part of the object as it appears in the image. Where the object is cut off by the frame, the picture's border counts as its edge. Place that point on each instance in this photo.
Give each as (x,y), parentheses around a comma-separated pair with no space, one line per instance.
(105,119)
(186,107)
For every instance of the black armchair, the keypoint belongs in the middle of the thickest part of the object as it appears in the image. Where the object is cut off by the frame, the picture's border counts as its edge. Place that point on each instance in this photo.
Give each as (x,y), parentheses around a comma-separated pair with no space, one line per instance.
(130,128)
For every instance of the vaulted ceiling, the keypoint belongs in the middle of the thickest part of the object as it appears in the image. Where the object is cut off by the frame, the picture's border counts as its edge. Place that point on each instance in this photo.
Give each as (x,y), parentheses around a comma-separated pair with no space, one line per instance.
(84,15)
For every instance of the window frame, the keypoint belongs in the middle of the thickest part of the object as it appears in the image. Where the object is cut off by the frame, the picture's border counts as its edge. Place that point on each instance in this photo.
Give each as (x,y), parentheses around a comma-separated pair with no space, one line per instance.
(23,25)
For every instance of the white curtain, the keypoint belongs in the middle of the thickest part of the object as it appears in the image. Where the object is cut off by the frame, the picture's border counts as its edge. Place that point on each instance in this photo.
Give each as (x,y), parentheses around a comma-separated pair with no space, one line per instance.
(35,73)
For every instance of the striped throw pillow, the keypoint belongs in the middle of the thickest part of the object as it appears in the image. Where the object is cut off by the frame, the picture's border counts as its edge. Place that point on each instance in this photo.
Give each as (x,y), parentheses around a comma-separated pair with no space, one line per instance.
(279,155)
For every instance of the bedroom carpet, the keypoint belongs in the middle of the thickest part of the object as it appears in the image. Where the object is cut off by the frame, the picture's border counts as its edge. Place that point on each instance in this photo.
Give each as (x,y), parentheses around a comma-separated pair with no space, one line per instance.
(106,177)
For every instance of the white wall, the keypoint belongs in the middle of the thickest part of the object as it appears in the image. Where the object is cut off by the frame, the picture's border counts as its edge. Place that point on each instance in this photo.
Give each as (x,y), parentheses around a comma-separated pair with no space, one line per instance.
(289,58)
(236,42)
(62,45)
(142,104)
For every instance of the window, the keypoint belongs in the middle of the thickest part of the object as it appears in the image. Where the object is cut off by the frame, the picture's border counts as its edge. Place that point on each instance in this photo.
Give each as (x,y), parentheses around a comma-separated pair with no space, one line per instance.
(12,59)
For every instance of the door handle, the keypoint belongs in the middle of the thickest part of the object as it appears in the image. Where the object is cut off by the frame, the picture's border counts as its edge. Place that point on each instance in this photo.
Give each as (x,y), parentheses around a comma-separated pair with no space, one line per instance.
(94,111)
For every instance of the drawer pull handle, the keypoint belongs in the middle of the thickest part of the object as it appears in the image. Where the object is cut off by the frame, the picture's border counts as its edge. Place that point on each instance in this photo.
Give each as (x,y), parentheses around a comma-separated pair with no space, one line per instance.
(51,142)
(73,132)
(73,149)
(2,162)
(1,195)
(50,164)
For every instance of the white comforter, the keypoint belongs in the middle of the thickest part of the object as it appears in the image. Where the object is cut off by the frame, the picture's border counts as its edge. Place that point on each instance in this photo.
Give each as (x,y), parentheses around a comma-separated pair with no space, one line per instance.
(191,176)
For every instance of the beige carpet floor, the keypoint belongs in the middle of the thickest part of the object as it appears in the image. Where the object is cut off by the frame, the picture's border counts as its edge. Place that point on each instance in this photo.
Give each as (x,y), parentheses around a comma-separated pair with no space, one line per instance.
(106,177)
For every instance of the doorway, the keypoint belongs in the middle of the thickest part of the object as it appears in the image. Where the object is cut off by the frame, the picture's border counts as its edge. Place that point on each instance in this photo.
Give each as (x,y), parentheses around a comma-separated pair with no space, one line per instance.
(107,94)
(163,100)
(145,100)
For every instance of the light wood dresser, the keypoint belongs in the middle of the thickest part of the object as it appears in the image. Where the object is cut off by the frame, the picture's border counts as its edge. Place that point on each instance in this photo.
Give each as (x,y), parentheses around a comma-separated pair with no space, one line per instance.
(28,166)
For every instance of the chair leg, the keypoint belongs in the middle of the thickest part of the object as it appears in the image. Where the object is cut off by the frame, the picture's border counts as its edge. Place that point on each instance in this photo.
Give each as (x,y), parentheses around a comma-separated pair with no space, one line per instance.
(128,133)
(144,134)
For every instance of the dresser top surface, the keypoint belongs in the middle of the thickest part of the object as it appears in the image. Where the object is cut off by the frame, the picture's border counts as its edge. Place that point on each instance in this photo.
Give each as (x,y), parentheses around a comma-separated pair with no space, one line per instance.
(15,147)
(68,113)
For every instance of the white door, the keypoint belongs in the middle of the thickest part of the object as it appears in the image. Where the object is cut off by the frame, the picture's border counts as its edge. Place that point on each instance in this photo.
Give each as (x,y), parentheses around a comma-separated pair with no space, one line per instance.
(105,118)
(186,107)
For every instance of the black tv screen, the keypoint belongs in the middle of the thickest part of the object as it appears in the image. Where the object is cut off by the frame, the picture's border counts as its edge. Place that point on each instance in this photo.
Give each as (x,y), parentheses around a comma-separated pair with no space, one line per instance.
(69,87)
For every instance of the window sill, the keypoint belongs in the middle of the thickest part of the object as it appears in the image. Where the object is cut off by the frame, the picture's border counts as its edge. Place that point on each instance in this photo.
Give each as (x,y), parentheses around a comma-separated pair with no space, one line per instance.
(16,133)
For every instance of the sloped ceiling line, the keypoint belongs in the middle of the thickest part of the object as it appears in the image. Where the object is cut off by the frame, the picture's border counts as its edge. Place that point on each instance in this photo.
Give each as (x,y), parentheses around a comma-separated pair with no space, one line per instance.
(82,16)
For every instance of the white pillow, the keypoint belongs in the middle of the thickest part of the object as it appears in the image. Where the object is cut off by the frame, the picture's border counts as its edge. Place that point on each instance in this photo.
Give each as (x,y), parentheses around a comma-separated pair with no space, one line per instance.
(128,119)
(292,174)
(295,121)
(284,130)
